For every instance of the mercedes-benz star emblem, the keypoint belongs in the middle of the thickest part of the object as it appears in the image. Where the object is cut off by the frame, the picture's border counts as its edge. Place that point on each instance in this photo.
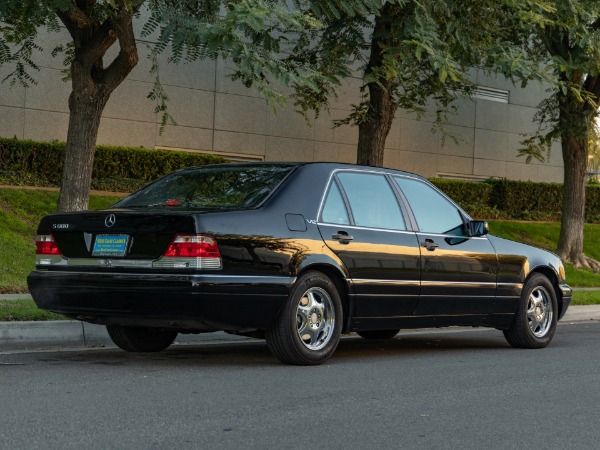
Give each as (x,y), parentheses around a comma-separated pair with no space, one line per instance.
(110,220)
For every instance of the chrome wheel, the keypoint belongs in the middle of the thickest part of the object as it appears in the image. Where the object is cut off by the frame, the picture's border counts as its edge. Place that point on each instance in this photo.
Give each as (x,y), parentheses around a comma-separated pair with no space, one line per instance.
(534,323)
(315,318)
(539,311)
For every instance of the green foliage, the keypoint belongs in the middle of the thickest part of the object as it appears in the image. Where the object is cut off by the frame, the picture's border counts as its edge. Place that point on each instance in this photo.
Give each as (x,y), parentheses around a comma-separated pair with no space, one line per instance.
(120,169)
(515,200)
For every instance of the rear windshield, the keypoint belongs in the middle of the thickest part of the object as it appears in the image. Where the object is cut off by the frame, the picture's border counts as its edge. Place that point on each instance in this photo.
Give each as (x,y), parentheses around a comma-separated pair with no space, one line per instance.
(231,187)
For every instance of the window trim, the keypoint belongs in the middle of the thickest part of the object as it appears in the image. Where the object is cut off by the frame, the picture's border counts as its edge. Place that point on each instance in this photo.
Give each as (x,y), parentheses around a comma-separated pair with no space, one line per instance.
(461,213)
(404,211)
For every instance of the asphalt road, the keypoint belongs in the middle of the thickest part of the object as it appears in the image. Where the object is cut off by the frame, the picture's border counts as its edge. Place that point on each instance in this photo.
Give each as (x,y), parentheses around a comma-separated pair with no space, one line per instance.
(422,390)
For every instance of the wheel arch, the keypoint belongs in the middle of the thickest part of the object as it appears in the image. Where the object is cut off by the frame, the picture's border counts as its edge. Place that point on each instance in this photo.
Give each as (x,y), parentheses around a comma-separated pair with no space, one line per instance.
(549,273)
(336,275)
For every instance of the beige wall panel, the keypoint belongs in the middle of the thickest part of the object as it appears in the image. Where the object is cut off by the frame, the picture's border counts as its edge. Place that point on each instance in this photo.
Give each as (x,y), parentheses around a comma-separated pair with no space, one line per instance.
(327,151)
(191,107)
(240,114)
(127,133)
(490,145)
(491,115)
(46,125)
(48,42)
(139,22)
(226,85)
(417,136)
(10,95)
(232,142)
(178,136)
(514,143)
(461,113)
(520,119)
(464,115)
(288,123)
(423,164)
(550,174)
(524,172)
(530,96)
(12,122)
(555,158)
(141,72)
(458,141)
(428,115)
(325,132)
(285,149)
(494,81)
(488,168)
(455,165)
(348,94)
(50,94)
(129,102)
(196,74)
(391,158)
(393,138)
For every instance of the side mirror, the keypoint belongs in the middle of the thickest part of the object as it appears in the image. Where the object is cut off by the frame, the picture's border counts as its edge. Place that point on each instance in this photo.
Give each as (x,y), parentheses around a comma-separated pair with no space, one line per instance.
(478,228)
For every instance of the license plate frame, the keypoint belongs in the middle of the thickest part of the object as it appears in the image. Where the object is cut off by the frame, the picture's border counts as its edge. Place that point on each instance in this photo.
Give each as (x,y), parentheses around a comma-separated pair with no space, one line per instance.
(112,245)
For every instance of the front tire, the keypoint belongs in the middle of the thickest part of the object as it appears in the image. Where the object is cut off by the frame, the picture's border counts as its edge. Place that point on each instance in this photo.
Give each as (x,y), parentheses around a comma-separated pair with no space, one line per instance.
(307,330)
(534,324)
(141,339)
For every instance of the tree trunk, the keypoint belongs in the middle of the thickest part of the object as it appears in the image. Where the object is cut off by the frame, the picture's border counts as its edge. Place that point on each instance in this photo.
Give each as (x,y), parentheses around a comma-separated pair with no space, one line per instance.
(92,84)
(575,123)
(374,129)
(84,120)
(570,244)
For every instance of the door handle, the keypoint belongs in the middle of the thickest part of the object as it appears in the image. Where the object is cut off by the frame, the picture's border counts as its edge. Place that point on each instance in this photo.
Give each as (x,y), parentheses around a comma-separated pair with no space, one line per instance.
(342,236)
(429,245)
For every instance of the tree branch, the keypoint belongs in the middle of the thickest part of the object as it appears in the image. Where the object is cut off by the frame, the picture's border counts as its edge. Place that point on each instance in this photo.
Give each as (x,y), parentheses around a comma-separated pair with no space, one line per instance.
(127,59)
(76,21)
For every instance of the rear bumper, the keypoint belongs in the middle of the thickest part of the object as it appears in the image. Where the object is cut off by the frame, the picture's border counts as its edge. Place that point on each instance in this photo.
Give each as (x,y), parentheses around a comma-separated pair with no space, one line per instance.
(566,293)
(186,302)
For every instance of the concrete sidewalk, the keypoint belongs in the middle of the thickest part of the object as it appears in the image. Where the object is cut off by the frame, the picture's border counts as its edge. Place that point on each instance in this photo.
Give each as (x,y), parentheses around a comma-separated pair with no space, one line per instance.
(72,333)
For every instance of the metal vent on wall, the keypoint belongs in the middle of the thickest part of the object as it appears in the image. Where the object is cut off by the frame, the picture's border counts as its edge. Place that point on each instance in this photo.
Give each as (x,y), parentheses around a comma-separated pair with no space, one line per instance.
(492,94)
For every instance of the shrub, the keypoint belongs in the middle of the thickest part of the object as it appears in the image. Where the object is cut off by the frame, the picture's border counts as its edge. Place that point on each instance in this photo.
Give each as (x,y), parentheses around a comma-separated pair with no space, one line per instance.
(115,168)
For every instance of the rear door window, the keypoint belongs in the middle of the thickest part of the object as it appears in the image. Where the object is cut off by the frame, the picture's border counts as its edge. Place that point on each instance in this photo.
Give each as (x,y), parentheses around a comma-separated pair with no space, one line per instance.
(372,200)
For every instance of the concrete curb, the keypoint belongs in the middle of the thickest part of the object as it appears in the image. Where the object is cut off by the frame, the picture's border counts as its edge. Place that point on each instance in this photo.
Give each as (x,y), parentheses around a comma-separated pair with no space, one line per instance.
(72,333)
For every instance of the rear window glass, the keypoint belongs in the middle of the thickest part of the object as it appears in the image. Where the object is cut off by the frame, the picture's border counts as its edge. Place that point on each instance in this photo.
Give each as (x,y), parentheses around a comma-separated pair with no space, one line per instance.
(234,186)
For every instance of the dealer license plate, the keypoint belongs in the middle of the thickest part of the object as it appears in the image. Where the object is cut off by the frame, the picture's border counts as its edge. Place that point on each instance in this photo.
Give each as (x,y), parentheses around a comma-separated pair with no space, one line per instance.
(110,245)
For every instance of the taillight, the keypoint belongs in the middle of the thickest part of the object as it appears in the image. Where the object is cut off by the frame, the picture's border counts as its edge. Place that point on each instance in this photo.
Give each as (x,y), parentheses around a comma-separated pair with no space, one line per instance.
(193,246)
(46,245)
(191,251)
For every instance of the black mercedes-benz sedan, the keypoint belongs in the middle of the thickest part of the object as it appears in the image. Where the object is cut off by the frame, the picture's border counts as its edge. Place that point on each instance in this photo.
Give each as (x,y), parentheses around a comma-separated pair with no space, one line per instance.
(295,253)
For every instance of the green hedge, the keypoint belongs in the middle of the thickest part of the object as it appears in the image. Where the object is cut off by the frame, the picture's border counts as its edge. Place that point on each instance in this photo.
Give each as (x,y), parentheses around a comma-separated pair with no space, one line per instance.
(24,162)
(125,169)
(515,200)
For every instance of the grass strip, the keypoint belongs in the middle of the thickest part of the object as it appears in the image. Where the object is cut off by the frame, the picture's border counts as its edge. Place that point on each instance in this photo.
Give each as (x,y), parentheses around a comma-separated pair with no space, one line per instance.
(25,310)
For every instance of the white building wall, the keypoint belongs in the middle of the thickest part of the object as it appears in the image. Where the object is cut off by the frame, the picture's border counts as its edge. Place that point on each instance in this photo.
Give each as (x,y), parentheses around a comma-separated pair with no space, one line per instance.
(217,115)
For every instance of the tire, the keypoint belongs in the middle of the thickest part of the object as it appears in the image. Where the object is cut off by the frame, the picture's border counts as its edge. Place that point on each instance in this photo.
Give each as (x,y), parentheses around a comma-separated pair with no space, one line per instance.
(534,324)
(307,330)
(138,339)
(378,335)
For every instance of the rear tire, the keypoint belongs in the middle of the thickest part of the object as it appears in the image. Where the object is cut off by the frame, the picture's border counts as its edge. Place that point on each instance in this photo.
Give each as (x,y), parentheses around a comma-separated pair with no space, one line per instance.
(534,324)
(307,330)
(378,335)
(141,339)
